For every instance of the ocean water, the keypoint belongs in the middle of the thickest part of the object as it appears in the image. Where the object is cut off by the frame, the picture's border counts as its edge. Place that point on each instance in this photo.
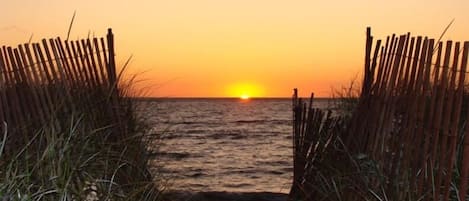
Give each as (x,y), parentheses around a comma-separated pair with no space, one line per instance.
(223,144)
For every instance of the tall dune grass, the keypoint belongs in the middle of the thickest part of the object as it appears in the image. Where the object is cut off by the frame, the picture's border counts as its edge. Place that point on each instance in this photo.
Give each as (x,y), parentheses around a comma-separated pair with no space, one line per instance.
(406,139)
(80,155)
(69,126)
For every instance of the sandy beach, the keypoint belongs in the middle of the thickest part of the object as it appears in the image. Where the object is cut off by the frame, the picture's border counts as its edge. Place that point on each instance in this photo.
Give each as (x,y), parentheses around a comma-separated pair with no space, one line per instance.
(225,196)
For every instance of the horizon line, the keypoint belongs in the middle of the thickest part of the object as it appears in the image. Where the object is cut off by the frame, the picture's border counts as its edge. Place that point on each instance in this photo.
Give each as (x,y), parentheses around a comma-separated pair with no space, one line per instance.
(221,97)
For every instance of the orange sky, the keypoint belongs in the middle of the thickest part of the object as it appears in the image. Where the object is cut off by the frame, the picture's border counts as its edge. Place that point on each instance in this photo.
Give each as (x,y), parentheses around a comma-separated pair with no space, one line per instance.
(217,48)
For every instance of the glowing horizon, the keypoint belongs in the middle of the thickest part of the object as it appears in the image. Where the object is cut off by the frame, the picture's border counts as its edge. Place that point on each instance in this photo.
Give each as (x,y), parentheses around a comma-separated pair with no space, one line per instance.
(211,48)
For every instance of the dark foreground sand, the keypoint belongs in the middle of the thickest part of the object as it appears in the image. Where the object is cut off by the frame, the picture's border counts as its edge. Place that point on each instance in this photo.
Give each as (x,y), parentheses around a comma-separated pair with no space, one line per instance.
(225,196)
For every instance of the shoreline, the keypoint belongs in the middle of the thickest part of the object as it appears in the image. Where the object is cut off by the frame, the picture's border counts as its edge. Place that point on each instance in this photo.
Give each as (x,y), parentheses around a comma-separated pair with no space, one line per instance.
(224,196)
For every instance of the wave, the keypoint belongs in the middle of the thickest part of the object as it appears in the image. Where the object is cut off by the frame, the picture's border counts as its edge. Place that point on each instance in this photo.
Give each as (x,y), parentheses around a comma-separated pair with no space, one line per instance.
(240,185)
(174,123)
(222,122)
(263,121)
(173,155)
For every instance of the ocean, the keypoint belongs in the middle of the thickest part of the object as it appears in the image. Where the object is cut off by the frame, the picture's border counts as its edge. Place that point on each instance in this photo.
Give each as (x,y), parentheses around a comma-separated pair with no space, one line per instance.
(228,145)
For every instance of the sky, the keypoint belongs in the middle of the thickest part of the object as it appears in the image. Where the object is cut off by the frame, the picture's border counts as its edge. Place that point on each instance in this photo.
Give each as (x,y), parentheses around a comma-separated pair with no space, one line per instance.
(233,48)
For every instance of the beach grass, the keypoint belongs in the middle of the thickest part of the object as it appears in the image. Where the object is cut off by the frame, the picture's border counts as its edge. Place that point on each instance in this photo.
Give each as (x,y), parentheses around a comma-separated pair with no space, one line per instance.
(405,139)
(77,157)
(69,126)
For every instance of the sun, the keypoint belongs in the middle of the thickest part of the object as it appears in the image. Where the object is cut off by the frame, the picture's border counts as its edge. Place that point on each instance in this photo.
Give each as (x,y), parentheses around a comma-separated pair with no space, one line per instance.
(244,91)
(244,97)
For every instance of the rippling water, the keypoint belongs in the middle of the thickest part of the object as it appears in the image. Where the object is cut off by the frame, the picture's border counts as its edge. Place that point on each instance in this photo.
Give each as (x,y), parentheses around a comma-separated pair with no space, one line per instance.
(224,144)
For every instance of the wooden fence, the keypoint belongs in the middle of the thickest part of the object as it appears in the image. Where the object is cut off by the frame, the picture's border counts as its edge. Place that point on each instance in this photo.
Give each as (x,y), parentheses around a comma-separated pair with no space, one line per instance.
(40,82)
(314,130)
(409,125)
(57,93)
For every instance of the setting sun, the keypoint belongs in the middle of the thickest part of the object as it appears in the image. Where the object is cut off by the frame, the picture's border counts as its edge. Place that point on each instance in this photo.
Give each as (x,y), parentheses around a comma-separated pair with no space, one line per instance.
(244,97)
(244,90)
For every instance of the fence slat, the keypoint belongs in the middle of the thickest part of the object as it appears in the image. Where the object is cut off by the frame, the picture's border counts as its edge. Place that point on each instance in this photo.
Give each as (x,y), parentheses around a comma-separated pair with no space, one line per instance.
(463,192)
(101,61)
(406,124)
(89,66)
(43,105)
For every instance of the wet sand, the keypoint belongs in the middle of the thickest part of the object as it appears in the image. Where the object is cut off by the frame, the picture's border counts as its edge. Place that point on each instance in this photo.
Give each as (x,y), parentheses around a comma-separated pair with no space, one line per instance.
(225,196)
